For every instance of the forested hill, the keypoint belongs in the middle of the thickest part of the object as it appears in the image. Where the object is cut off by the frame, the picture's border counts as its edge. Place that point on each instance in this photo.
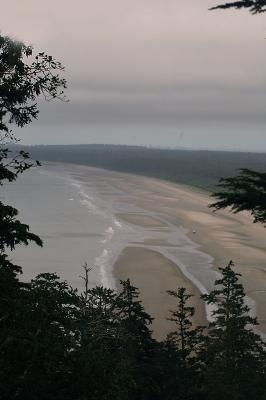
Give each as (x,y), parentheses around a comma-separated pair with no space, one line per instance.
(197,168)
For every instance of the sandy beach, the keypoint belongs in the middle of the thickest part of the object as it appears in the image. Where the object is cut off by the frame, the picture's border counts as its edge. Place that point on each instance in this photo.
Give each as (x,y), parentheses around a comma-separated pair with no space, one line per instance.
(176,240)
(154,274)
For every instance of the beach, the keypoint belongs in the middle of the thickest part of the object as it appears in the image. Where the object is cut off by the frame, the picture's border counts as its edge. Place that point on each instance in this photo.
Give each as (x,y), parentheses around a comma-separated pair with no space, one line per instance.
(154,275)
(179,241)
(159,234)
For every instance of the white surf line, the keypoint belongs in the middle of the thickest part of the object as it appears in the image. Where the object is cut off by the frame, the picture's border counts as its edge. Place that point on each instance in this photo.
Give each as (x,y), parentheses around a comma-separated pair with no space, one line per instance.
(179,264)
(136,209)
(148,233)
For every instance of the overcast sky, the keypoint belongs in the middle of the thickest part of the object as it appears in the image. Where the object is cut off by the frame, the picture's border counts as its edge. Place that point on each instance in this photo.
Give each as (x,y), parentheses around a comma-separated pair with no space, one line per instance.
(153,72)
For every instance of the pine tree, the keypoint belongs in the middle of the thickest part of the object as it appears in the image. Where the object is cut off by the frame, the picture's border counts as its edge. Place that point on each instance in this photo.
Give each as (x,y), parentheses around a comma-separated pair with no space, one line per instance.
(132,314)
(137,365)
(244,192)
(235,354)
(254,6)
(23,78)
(182,348)
(186,338)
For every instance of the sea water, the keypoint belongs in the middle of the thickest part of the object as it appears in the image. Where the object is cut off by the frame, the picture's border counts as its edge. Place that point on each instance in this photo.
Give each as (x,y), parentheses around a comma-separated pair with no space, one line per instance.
(73,210)
(74,227)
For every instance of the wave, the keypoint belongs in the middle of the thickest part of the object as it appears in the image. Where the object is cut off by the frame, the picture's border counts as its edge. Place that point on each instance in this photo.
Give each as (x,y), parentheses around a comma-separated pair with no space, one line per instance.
(101,262)
(117,223)
(88,201)
(104,263)
(109,233)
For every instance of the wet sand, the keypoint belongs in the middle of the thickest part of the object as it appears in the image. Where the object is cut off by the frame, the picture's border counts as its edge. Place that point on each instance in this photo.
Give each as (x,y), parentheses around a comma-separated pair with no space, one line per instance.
(141,220)
(175,231)
(222,235)
(154,274)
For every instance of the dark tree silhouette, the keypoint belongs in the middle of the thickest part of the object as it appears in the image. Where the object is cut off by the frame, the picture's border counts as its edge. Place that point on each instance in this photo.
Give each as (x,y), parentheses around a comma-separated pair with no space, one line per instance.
(23,78)
(186,338)
(57,344)
(254,6)
(235,354)
(245,192)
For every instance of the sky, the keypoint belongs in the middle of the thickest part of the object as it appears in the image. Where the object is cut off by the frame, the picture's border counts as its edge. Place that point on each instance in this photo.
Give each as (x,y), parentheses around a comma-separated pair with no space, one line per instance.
(166,73)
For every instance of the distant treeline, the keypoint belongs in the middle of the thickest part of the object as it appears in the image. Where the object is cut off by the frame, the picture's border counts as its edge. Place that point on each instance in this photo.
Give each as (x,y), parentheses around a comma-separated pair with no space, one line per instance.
(198,168)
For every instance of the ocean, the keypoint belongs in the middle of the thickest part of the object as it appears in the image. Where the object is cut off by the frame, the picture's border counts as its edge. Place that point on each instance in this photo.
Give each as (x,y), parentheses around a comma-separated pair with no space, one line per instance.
(76,226)
(86,215)
(78,213)
(73,209)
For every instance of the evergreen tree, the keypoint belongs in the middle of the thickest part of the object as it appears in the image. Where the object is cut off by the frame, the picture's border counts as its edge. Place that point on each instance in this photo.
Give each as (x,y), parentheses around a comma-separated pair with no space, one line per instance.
(132,314)
(97,345)
(23,78)
(245,192)
(235,354)
(114,352)
(35,354)
(186,338)
(254,6)
(138,347)
(183,346)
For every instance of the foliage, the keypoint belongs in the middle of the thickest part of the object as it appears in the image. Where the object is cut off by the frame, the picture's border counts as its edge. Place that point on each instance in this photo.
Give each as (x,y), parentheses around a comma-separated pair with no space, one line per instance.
(13,232)
(29,320)
(33,354)
(254,6)
(23,78)
(245,192)
(57,343)
(185,338)
(234,354)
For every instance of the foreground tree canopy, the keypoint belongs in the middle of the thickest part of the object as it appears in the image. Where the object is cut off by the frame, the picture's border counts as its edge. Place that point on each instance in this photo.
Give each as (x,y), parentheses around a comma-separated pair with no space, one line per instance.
(58,344)
(245,192)
(23,78)
(254,6)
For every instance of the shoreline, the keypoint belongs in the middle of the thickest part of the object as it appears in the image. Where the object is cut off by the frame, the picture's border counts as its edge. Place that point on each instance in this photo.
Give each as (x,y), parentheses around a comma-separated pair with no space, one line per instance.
(175,218)
(154,274)
(195,188)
